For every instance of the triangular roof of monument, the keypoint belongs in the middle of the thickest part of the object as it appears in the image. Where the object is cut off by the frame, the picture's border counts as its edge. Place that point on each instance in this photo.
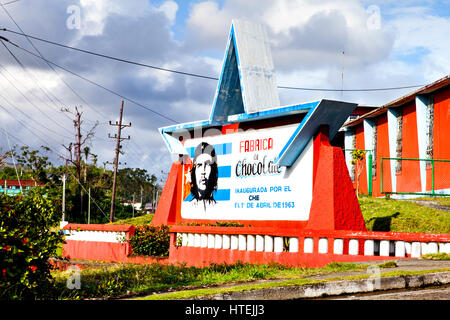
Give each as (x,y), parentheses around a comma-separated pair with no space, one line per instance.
(247,91)
(247,83)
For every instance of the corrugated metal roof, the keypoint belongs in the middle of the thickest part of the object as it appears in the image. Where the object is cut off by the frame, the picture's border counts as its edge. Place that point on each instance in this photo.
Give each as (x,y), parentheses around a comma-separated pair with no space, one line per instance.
(247,83)
(256,69)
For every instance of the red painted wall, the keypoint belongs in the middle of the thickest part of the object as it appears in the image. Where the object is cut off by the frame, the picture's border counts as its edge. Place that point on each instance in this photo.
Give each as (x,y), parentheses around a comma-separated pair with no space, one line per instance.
(359,131)
(441,137)
(382,151)
(408,179)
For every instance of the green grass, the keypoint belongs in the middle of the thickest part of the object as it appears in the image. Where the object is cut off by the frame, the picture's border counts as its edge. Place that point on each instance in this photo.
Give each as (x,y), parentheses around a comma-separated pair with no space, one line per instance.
(436,256)
(129,279)
(403,216)
(191,294)
(137,221)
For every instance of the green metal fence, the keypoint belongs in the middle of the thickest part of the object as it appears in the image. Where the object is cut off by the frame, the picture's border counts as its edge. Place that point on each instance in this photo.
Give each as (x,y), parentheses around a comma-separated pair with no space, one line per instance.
(444,176)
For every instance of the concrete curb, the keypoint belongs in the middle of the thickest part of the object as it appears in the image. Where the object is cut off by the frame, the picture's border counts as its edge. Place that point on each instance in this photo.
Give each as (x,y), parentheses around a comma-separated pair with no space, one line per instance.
(335,288)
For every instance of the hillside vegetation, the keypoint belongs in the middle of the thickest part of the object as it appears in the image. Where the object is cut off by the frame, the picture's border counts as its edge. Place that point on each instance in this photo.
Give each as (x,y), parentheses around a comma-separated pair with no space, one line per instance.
(404,215)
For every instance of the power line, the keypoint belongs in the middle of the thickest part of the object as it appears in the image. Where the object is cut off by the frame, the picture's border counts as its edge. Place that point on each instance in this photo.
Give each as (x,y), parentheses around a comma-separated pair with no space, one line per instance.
(113,58)
(23,95)
(12,156)
(196,74)
(94,83)
(34,133)
(34,105)
(51,67)
(10,2)
(351,90)
(48,64)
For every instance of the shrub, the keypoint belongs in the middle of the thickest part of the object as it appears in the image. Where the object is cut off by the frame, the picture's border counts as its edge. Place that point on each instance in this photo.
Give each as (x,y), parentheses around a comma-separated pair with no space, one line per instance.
(151,240)
(27,241)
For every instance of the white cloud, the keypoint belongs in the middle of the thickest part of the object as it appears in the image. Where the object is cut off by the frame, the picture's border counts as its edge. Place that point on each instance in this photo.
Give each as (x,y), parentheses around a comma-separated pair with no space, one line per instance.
(169,8)
(419,31)
(208,25)
(405,46)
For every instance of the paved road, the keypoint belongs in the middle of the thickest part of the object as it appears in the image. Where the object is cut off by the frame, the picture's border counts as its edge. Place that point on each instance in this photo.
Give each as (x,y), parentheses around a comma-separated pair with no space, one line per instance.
(430,293)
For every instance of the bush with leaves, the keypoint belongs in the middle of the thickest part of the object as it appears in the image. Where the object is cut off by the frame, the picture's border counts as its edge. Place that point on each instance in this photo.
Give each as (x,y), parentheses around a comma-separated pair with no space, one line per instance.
(151,240)
(28,238)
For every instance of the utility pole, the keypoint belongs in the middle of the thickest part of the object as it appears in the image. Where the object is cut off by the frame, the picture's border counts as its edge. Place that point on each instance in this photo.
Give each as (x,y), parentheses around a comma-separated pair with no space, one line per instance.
(142,205)
(77,145)
(89,206)
(64,177)
(116,159)
(133,205)
(342,75)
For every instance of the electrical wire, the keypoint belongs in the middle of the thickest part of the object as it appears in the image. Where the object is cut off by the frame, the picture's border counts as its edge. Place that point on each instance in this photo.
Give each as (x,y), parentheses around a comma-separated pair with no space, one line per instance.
(196,74)
(351,90)
(9,2)
(114,58)
(96,84)
(12,155)
(28,126)
(51,67)
(35,106)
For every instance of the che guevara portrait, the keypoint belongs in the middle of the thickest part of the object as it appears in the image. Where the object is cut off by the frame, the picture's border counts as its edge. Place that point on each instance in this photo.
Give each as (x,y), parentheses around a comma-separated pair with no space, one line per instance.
(204,174)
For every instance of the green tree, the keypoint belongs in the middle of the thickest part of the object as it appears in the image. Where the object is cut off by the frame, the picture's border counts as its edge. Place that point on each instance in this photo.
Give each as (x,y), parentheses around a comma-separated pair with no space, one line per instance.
(135,182)
(27,240)
(35,164)
(358,157)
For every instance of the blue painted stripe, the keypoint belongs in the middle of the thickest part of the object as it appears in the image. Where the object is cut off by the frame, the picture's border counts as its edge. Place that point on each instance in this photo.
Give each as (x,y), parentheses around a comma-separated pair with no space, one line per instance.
(224,171)
(272,113)
(221,149)
(191,151)
(189,197)
(222,195)
(294,135)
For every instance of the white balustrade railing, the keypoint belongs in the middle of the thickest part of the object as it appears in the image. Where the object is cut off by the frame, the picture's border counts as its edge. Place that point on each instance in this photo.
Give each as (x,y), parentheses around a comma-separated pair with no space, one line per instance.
(93,235)
(320,245)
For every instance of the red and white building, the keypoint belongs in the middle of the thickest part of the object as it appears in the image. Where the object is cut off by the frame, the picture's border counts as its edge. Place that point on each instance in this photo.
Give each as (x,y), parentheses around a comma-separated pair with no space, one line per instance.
(415,126)
(15,187)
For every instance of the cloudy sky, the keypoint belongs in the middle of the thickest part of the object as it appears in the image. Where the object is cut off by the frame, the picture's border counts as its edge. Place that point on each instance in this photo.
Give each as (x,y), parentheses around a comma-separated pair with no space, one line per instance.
(385,43)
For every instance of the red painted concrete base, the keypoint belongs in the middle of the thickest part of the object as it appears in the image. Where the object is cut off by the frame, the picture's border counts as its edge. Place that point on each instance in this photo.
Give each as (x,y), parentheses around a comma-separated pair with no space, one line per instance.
(334,205)
(166,212)
(96,250)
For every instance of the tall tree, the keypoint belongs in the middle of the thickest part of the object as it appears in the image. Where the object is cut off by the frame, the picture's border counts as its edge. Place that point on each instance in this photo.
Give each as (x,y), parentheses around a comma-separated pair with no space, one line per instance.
(34,163)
